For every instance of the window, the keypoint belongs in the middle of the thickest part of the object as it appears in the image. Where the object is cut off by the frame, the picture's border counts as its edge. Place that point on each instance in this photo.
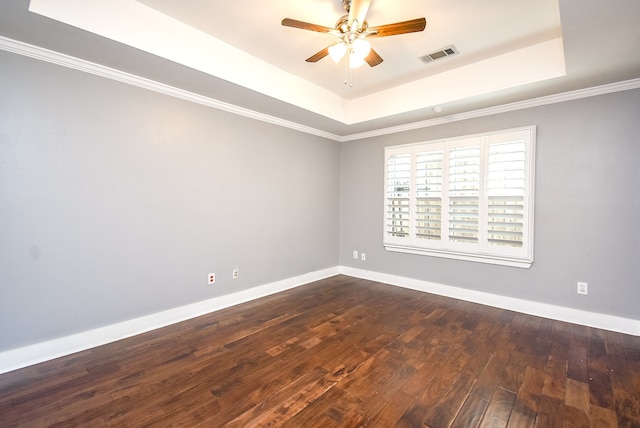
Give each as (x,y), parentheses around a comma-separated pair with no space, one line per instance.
(469,198)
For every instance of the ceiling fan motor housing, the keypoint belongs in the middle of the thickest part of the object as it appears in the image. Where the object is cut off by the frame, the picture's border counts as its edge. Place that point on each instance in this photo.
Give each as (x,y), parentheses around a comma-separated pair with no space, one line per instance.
(343,26)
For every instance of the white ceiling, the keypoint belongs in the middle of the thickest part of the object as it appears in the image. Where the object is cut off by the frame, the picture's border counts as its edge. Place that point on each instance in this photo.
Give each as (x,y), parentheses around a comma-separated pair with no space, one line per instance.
(238,52)
(256,29)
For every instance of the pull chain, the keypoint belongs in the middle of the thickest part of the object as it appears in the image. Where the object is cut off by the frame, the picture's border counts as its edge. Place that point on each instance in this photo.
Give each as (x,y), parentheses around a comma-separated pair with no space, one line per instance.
(348,71)
(346,58)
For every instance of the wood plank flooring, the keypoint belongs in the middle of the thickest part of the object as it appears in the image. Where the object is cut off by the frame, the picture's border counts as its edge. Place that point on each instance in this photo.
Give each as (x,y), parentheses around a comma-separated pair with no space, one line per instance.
(341,352)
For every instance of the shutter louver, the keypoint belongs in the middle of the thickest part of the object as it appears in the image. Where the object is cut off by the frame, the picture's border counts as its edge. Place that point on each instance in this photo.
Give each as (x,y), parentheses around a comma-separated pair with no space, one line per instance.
(429,195)
(464,194)
(398,195)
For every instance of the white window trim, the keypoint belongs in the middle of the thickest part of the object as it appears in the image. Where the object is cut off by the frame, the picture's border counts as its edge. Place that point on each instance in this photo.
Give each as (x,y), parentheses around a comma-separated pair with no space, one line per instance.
(439,250)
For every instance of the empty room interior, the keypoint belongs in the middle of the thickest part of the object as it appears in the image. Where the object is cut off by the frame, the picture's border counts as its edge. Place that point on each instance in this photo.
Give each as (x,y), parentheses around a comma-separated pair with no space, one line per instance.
(319,213)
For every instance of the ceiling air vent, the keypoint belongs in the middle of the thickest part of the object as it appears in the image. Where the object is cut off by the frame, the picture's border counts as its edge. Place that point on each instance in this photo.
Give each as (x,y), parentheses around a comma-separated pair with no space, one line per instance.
(442,53)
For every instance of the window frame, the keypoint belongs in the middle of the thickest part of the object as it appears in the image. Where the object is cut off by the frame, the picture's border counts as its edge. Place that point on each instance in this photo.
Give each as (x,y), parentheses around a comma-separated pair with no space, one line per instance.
(483,251)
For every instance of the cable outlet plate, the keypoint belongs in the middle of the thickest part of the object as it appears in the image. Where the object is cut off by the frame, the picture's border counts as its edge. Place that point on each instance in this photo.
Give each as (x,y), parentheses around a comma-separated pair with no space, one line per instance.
(583,288)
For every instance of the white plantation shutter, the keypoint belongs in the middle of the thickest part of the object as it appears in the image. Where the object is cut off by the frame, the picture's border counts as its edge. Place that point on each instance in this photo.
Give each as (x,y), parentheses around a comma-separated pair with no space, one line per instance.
(428,205)
(469,198)
(464,194)
(398,187)
(506,194)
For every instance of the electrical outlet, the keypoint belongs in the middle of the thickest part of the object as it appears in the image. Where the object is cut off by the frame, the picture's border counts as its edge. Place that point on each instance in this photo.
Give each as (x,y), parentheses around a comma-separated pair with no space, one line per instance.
(355,254)
(363,256)
(583,288)
(235,273)
(212,278)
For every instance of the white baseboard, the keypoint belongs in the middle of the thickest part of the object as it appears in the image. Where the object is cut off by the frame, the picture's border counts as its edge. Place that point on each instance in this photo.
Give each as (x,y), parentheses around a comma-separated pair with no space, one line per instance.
(560,313)
(22,357)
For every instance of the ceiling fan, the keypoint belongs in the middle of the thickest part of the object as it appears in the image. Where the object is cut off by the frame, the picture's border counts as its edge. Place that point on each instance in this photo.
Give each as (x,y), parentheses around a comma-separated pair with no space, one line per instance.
(353,30)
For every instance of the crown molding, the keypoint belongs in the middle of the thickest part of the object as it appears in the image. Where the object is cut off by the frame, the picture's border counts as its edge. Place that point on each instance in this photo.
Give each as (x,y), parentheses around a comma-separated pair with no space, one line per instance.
(68,61)
(504,108)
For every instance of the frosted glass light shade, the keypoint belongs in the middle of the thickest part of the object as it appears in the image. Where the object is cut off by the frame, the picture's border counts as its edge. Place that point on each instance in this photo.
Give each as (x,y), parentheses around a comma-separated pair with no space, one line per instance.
(361,48)
(337,51)
(355,61)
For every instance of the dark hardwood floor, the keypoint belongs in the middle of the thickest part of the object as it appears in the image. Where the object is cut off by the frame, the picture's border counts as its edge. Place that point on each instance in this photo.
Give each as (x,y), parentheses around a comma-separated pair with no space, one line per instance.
(341,352)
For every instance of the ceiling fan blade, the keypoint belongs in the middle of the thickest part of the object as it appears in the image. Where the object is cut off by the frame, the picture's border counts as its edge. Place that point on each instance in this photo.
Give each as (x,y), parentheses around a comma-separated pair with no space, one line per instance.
(412,26)
(318,56)
(288,22)
(373,58)
(358,11)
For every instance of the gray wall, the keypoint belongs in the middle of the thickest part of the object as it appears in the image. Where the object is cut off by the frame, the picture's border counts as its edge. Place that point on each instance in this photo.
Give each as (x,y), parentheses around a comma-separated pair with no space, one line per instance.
(116,202)
(586,209)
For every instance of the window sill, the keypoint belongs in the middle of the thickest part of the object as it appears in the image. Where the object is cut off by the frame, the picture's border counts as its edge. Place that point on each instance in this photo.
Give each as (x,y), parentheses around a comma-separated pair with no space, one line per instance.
(470,257)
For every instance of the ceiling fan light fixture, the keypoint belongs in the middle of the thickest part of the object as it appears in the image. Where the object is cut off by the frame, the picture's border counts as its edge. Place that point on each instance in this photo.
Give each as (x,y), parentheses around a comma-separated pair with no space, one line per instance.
(361,48)
(355,61)
(337,51)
